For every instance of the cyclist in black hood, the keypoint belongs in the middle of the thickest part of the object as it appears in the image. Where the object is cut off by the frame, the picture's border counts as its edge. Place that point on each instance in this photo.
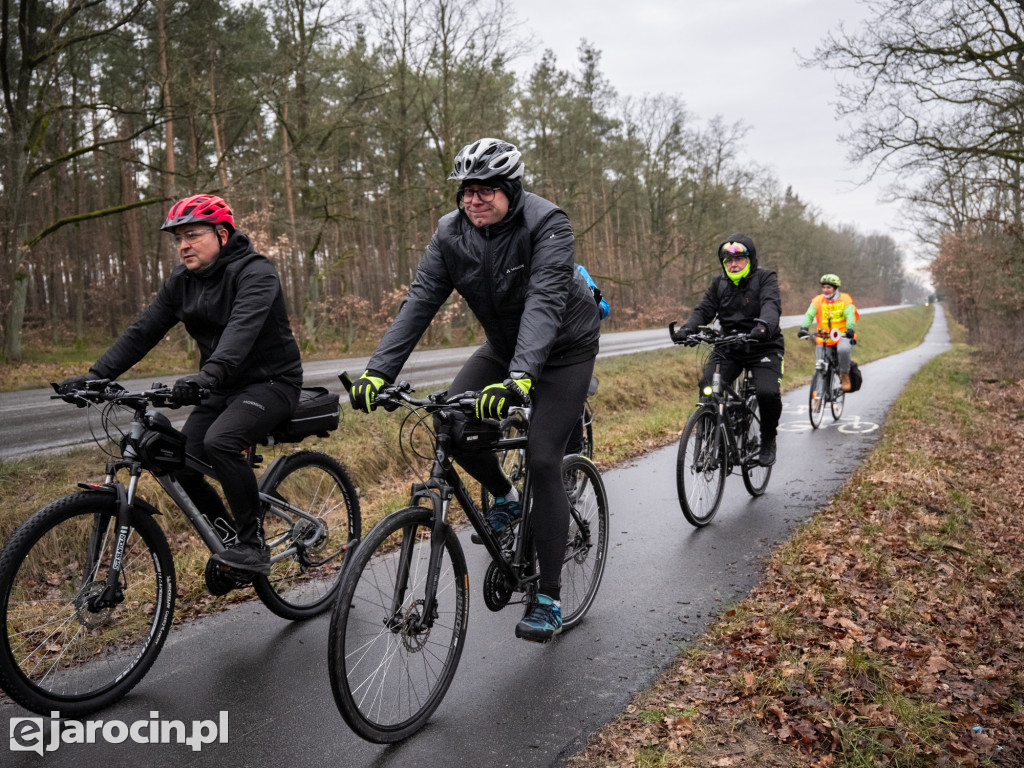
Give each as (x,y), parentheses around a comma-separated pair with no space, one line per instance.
(745,299)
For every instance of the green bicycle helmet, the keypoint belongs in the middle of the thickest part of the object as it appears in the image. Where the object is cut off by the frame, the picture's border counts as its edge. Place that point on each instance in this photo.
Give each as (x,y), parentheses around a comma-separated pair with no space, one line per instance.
(830,279)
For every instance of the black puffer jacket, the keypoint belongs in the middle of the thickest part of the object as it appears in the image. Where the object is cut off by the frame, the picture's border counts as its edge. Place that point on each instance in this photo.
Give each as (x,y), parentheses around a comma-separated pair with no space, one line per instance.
(519,279)
(234,310)
(739,307)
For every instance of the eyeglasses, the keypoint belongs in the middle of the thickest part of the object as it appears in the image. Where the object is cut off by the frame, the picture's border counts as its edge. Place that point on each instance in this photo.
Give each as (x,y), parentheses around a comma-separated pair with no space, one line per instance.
(734,249)
(483,194)
(190,237)
(735,257)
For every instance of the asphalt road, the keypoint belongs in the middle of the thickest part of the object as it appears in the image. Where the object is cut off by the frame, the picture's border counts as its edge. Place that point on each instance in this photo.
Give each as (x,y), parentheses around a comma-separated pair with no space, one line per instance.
(32,422)
(512,703)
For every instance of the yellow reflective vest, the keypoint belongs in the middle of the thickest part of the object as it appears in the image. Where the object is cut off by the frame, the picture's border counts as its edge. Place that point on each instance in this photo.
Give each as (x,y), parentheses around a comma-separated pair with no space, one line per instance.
(832,314)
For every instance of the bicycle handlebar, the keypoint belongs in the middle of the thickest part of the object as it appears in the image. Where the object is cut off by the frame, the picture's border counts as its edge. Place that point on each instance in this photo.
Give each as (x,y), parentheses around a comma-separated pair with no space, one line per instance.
(393,396)
(825,335)
(97,391)
(705,334)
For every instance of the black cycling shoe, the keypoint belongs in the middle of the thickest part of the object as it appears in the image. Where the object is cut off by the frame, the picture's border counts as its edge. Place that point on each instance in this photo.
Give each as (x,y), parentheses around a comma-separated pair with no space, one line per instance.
(767,455)
(245,557)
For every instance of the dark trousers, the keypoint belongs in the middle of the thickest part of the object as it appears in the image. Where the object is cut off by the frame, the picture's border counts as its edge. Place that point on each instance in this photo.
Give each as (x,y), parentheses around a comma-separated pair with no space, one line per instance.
(218,431)
(766,368)
(557,399)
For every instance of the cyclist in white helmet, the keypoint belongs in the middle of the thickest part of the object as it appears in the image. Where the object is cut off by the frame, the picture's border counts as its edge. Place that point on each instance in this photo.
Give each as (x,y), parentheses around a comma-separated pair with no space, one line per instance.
(510,254)
(833,310)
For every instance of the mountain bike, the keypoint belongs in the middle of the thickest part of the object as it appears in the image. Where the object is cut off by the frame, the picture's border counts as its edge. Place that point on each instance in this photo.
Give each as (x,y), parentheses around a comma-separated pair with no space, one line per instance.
(826,383)
(723,434)
(87,583)
(400,619)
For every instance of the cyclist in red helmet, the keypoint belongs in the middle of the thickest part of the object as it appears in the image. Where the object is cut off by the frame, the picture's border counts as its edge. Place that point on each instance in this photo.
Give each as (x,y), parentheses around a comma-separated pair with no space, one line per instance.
(229,297)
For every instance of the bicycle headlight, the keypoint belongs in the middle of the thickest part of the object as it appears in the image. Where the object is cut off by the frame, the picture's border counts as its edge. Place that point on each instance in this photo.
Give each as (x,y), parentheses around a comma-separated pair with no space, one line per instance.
(707,391)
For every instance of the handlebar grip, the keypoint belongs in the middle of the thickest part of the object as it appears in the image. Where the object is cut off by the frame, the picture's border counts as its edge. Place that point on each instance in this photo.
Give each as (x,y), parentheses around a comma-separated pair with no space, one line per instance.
(346,382)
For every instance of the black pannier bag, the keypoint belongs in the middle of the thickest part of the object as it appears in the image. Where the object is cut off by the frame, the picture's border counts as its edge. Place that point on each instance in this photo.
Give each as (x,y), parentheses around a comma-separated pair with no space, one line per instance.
(316,414)
(856,377)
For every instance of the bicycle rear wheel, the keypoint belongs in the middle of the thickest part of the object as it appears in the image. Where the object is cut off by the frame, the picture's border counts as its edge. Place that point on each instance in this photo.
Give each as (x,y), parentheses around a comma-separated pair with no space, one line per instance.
(838,398)
(587,549)
(303,585)
(389,665)
(755,476)
(700,467)
(61,651)
(816,401)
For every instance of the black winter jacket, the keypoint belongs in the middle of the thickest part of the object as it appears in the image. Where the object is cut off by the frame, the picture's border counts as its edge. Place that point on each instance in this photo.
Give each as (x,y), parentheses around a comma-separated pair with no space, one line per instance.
(234,310)
(739,307)
(519,279)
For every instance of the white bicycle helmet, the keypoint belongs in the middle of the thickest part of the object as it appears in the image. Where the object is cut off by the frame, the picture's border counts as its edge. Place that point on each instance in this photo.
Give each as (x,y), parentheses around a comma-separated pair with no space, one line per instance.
(488,159)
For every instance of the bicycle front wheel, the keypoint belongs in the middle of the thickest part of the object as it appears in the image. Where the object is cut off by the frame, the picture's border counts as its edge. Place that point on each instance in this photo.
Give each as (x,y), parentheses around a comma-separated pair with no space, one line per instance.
(70,644)
(303,584)
(700,467)
(390,665)
(587,549)
(755,476)
(838,395)
(816,402)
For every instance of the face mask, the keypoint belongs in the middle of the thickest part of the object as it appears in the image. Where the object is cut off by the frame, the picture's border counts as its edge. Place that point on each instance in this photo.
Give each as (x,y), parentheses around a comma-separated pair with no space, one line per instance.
(737,276)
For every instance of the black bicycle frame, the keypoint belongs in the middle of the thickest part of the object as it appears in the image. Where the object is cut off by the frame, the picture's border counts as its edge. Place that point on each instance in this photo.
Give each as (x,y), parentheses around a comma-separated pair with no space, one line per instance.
(724,394)
(443,485)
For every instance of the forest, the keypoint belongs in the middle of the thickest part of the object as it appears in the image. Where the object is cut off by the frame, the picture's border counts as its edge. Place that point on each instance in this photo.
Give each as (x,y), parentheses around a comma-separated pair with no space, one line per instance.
(330,127)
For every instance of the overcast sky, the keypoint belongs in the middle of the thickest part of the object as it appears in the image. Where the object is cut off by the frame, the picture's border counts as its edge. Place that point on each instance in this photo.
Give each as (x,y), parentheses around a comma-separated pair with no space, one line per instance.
(737,59)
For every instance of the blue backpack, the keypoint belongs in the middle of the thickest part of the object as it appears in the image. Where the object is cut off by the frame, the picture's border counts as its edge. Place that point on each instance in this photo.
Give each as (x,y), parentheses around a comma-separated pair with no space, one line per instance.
(602,302)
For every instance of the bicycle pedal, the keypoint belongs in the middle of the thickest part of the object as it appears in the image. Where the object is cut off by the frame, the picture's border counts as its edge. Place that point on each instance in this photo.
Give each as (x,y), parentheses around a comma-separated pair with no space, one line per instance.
(537,640)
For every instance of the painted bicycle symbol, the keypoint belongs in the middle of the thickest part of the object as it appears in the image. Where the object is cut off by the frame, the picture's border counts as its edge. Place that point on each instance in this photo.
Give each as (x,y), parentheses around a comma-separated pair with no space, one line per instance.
(848,425)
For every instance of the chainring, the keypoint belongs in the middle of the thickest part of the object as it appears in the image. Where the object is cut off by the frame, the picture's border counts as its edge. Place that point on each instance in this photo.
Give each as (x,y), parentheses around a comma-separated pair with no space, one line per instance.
(220,582)
(497,589)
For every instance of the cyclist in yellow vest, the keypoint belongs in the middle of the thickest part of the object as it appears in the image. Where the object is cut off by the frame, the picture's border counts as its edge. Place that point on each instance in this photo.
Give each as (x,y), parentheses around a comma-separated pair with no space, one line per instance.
(833,309)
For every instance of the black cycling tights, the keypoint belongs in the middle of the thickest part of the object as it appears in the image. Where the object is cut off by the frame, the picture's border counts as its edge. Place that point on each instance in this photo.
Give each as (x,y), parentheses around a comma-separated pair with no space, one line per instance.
(766,368)
(220,430)
(557,398)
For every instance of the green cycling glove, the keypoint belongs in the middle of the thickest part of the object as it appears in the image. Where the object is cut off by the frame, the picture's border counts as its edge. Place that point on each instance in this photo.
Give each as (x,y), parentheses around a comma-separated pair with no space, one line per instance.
(363,394)
(495,399)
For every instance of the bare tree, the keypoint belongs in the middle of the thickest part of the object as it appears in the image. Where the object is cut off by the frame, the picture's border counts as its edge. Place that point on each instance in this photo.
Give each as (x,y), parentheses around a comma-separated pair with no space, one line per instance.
(34,48)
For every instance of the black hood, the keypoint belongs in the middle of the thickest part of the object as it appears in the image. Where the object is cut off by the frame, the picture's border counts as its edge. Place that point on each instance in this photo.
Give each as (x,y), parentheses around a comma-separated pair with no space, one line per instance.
(237,246)
(738,237)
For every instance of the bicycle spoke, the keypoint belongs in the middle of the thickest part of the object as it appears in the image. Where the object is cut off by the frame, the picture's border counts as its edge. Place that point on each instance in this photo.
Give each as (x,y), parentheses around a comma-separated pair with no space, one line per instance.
(390,664)
(62,650)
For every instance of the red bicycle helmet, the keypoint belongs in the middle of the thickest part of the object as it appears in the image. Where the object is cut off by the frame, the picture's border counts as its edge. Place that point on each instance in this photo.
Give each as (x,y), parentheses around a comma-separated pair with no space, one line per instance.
(200,209)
